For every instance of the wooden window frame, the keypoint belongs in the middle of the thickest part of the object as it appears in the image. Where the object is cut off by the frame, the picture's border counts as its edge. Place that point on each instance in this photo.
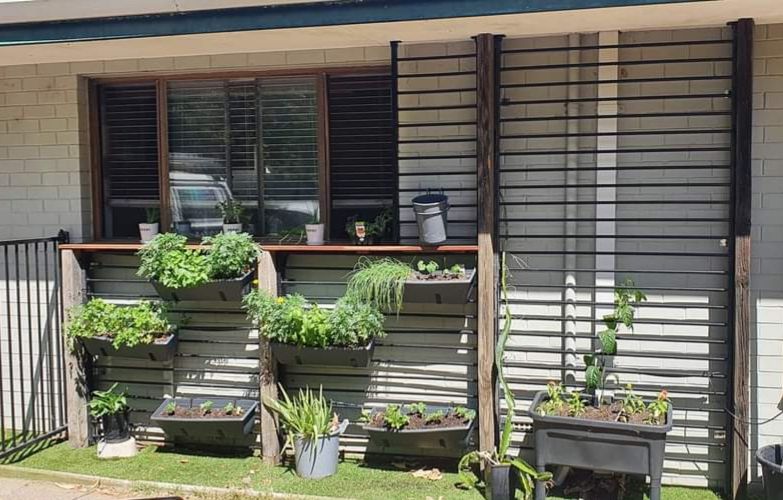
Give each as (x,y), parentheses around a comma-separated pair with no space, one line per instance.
(320,74)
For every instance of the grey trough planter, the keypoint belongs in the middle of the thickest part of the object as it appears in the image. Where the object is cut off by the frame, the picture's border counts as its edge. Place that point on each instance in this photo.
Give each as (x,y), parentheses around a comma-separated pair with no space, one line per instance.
(445,438)
(224,432)
(162,349)
(439,291)
(222,290)
(594,445)
(358,357)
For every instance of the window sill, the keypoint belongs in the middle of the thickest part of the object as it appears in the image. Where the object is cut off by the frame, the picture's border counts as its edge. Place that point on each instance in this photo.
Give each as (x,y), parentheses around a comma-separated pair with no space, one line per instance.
(277,248)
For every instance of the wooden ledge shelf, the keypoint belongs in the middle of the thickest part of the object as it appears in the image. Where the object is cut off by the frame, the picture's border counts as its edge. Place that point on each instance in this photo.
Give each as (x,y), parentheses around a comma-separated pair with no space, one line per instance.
(346,249)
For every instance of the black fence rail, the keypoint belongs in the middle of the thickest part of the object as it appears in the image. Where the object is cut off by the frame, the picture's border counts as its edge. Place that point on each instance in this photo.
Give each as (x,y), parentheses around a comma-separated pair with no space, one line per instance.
(32,369)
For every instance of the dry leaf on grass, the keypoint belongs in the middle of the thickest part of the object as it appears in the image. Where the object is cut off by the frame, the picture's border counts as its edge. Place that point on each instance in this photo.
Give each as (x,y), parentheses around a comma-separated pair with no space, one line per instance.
(431,474)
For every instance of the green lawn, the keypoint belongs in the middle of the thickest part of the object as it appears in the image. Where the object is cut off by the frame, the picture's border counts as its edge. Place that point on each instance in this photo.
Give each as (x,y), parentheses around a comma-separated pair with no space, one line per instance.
(354,479)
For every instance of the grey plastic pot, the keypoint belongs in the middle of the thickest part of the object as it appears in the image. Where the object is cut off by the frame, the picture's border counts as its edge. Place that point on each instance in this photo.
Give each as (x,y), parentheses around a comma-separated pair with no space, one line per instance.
(431,217)
(439,291)
(455,439)
(357,357)
(162,349)
(216,433)
(594,445)
(318,458)
(501,482)
(771,460)
(222,290)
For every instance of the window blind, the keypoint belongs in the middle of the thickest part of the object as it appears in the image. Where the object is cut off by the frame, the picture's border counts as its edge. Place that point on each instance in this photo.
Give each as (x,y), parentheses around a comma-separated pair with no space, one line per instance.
(129,153)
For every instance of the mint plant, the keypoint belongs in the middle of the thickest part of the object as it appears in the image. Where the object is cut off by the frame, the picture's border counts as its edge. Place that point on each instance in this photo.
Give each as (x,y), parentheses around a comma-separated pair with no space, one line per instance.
(128,326)
(230,255)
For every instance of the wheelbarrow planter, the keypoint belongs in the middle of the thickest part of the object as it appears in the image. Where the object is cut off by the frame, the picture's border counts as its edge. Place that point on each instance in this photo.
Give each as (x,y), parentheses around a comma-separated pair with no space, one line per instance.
(439,291)
(596,445)
(220,290)
(357,357)
(232,431)
(455,439)
(161,349)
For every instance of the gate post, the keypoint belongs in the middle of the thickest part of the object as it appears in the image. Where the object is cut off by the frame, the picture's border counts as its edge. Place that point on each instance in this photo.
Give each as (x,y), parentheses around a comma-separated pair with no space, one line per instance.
(486,166)
(76,371)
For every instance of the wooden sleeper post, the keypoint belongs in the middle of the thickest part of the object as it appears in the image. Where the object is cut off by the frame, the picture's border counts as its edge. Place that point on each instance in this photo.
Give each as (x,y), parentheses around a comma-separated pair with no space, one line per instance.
(270,444)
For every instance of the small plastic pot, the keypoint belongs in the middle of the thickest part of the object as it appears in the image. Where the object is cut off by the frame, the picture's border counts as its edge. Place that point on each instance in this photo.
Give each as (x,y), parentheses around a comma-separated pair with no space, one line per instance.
(315,234)
(148,231)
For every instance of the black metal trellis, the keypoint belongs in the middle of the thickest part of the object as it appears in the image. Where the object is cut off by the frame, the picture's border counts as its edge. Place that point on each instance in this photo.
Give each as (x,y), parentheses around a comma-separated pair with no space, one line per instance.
(441,155)
(660,126)
(32,385)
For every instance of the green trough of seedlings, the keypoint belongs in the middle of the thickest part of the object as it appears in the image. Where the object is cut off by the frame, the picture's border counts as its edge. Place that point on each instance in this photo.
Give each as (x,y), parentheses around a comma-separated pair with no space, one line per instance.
(214,423)
(420,426)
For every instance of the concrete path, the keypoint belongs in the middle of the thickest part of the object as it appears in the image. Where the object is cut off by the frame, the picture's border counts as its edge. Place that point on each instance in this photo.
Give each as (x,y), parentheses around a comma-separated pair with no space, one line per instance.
(27,489)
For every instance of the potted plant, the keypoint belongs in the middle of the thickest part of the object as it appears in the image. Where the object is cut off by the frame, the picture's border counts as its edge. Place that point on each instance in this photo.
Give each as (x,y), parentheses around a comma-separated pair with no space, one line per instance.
(231,210)
(111,408)
(313,429)
(770,458)
(418,425)
(150,229)
(221,269)
(137,331)
(503,473)
(315,230)
(364,232)
(389,282)
(218,423)
(303,333)
(596,431)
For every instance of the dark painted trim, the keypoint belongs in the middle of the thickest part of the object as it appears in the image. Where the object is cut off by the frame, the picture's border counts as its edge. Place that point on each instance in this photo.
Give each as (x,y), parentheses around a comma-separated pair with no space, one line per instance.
(331,13)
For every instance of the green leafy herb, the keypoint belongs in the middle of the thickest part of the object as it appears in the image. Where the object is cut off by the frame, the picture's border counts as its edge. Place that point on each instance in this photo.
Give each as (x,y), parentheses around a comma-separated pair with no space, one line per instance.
(394,418)
(435,417)
(231,210)
(230,255)
(464,413)
(377,227)
(167,259)
(206,407)
(554,403)
(632,404)
(126,325)
(417,409)
(108,402)
(658,409)
(171,408)
(429,267)
(293,320)
(576,405)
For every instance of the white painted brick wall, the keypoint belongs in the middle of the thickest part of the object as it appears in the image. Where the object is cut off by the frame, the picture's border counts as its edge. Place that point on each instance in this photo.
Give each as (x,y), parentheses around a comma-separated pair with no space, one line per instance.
(767,244)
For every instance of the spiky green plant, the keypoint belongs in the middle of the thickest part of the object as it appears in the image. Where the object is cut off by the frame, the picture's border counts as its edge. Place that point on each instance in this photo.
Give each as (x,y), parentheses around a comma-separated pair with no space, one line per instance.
(380,282)
(308,415)
(527,474)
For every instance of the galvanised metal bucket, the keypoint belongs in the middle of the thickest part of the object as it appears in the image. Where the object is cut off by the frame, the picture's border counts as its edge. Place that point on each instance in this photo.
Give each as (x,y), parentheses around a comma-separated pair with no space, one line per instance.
(431,217)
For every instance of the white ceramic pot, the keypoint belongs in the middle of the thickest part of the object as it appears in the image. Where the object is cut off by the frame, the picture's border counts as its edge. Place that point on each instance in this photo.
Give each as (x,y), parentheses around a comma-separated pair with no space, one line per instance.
(232,228)
(315,234)
(148,231)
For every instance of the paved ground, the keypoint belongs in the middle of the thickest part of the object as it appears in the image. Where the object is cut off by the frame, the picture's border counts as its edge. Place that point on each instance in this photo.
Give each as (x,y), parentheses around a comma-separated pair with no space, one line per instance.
(24,489)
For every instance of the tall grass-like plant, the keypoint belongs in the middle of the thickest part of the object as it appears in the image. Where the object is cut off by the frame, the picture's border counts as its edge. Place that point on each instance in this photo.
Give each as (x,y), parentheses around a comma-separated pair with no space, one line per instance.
(306,416)
(499,456)
(380,282)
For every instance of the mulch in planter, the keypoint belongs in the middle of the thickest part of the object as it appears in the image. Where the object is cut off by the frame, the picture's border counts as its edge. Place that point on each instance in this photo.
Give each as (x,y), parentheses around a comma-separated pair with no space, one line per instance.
(419,422)
(196,412)
(609,413)
(438,276)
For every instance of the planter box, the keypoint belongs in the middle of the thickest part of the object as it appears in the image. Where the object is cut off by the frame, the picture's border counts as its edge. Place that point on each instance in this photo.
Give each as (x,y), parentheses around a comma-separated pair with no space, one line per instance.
(224,290)
(440,291)
(224,432)
(287,354)
(162,349)
(595,445)
(447,438)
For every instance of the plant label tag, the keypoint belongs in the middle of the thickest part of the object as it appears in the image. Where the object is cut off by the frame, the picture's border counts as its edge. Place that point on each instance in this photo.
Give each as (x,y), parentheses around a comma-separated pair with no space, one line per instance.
(361,231)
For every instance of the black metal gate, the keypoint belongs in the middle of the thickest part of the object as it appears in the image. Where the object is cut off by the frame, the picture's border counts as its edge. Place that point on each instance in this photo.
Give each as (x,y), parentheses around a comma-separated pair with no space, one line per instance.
(32,386)
(616,162)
